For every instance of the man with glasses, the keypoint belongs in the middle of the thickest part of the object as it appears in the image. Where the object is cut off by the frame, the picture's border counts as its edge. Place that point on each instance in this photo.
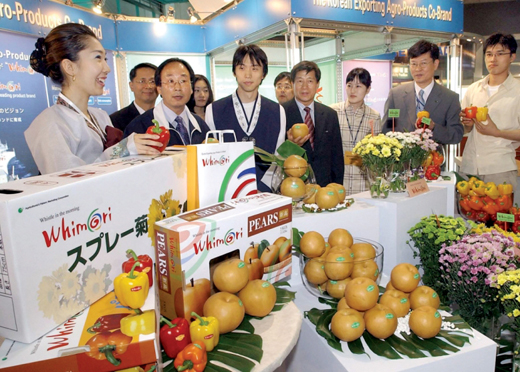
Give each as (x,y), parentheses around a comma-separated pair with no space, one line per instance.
(283,87)
(490,150)
(174,80)
(424,94)
(142,84)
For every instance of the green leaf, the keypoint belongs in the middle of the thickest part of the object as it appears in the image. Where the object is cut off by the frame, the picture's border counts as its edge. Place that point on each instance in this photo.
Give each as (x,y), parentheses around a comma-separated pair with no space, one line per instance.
(455,338)
(403,347)
(250,339)
(422,344)
(356,347)
(443,345)
(262,246)
(277,307)
(380,347)
(283,296)
(232,360)
(289,148)
(323,329)
(249,351)
(210,367)
(313,315)
(170,368)
(246,325)
(332,302)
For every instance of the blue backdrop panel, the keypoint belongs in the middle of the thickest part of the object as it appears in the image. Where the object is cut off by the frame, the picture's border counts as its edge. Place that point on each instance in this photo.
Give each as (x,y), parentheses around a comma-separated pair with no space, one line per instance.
(434,15)
(39,17)
(247,17)
(22,98)
(159,37)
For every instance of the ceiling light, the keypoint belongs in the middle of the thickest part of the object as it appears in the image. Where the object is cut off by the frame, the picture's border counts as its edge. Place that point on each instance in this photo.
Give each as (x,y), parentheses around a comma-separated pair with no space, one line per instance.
(191,14)
(171,12)
(98,6)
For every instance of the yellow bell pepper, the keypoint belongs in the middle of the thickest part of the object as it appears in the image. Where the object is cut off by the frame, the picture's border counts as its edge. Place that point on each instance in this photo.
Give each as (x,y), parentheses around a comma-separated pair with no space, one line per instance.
(141,323)
(205,329)
(482,113)
(132,369)
(479,187)
(428,161)
(463,187)
(505,189)
(471,181)
(132,288)
(491,190)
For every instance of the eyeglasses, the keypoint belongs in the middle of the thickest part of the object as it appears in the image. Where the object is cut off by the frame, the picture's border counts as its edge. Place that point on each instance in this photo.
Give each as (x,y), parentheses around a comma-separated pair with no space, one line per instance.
(497,55)
(283,87)
(143,82)
(171,82)
(422,64)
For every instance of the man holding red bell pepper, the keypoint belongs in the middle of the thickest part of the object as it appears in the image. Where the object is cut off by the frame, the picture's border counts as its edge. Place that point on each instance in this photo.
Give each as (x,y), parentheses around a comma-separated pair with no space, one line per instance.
(174,81)
(490,150)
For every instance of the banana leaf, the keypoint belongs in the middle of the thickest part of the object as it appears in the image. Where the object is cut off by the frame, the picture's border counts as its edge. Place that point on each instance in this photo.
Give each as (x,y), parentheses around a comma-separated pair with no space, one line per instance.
(380,347)
(356,347)
(232,360)
(246,349)
(405,348)
(210,367)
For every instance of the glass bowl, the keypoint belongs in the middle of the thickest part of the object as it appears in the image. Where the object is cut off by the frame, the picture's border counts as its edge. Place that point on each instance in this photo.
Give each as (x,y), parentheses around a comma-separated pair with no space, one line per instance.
(318,291)
(307,178)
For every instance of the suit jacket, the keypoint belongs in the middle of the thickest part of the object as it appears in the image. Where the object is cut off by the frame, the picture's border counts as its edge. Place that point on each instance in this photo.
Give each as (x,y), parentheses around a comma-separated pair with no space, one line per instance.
(120,119)
(198,127)
(442,104)
(327,157)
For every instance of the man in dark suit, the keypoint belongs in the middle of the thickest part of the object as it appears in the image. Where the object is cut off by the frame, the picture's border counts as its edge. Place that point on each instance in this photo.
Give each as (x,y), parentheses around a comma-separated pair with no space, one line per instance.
(174,80)
(323,143)
(142,84)
(424,94)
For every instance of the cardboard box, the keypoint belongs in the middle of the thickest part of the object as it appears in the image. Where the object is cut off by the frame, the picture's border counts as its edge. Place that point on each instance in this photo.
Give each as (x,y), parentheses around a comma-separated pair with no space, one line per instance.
(64,236)
(187,245)
(67,348)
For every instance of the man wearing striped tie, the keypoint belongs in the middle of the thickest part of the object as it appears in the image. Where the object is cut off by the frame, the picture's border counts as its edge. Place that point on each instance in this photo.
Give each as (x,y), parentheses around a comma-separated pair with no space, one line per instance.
(323,143)
(424,94)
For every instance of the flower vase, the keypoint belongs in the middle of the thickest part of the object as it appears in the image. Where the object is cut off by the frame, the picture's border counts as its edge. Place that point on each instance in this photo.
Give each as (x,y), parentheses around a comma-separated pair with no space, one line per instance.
(490,327)
(379,180)
(399,178)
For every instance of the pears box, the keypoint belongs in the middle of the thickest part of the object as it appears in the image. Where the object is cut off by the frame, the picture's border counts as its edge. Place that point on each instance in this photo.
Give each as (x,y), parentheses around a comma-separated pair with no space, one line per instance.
(64,235)
(189,245)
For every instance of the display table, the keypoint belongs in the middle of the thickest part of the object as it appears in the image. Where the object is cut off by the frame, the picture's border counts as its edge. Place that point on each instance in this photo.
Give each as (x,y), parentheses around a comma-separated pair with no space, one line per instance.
(386,221)
(312,353)
(397,214)
(451,200)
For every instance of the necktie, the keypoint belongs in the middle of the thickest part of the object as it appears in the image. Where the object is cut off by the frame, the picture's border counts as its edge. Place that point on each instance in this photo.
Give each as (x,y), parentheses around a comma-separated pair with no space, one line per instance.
(420,102)
(181,128)
(310,125)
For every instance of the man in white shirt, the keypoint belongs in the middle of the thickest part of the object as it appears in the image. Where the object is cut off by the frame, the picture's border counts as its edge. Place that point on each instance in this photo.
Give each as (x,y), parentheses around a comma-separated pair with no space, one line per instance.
(142,84)
(489,152)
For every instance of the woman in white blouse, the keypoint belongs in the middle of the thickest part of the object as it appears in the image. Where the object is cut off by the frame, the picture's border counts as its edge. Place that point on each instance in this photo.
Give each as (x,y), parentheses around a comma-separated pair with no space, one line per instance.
(70,134)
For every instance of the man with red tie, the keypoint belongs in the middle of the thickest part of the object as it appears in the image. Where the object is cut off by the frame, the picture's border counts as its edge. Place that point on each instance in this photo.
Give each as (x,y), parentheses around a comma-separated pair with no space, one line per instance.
(323,143)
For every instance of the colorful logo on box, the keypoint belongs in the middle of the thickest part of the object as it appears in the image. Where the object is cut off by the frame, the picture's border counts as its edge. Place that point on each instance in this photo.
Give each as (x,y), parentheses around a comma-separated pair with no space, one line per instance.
(247,177)
(10,86)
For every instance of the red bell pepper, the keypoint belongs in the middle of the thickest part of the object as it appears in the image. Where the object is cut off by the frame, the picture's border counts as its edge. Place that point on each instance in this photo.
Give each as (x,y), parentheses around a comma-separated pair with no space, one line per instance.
(516,227)
(470,215)
(163,132)
(482,216)
(145,262)
(438,158)
(107,323)
(174,336)
(463,202)
(471,112)
(475,203)
(432,172)
(504,203)
(490,208)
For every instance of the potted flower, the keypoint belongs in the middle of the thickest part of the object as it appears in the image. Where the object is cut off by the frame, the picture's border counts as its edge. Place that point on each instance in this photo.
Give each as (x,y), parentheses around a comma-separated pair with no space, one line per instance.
(428,236)
(470,268)
(508,283)
(379,154)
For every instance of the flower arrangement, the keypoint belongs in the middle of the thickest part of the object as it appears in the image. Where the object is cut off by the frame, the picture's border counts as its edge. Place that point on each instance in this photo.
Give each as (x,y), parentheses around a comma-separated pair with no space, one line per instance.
(379,154)
(428,236)
(416,145)
(470,269)
(508,283)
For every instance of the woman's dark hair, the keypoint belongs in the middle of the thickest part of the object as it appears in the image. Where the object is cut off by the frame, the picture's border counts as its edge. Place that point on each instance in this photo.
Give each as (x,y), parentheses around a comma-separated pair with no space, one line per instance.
(507,41)
(255,53)
(362,75)
(63,42)
(191,102)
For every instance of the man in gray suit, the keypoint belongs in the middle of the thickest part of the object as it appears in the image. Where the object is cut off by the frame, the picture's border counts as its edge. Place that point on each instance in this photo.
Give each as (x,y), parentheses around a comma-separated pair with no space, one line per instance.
(424,94)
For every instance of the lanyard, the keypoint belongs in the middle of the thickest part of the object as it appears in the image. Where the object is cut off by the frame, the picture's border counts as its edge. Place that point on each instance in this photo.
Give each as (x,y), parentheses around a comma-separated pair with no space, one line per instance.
(354,140)
(248,119)
(248,125)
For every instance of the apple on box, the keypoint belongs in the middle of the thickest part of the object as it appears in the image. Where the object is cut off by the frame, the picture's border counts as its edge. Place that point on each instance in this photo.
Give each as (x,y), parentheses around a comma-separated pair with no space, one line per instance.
(255,230)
